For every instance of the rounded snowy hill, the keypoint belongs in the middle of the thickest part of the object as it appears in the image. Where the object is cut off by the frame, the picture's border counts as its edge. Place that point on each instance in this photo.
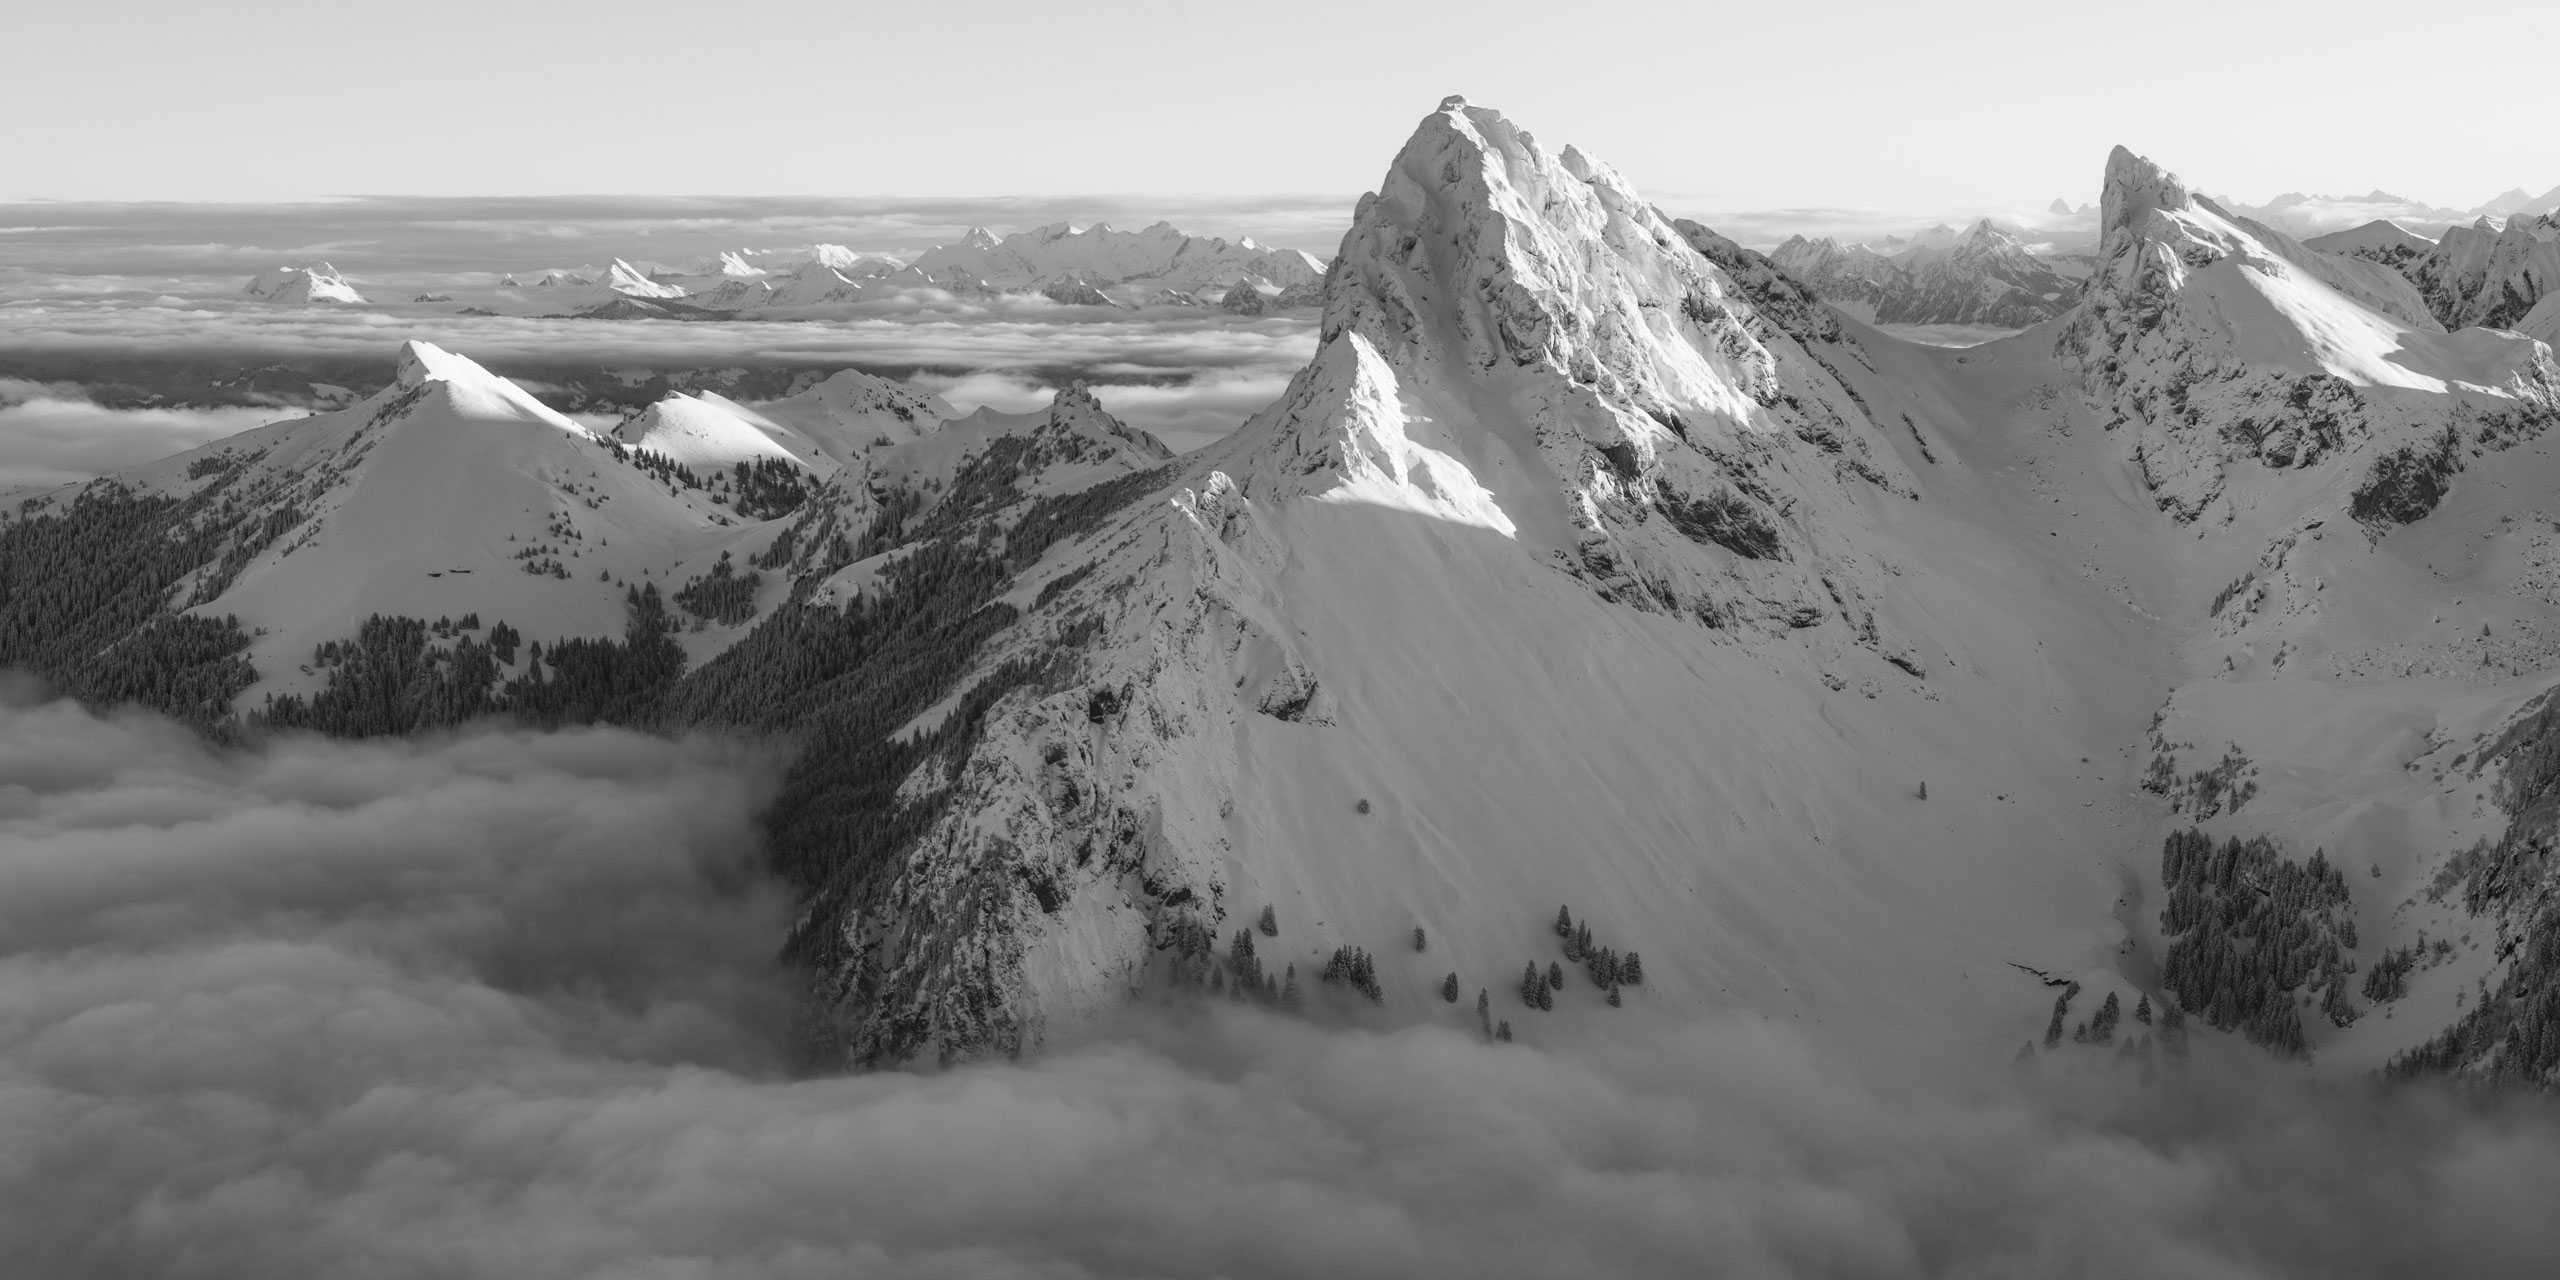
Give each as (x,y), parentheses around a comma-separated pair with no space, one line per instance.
(831,425)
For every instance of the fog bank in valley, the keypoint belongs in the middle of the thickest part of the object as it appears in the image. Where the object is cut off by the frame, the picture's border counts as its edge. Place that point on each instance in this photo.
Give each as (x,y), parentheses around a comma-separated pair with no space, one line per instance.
(504,1004)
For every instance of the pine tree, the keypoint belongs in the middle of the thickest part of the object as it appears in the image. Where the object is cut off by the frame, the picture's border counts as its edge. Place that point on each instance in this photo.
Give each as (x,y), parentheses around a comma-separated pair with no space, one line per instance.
(1270,923)
(1631,970)
(2102,1027)
(2142,1010)
(1417,938)
(1924,790)
(1449,987)
(1613,997)
(1484,1011)
(1240,955)
(2053,1029)
(1533,988)
(1564,923)
(1555,975)
(1503,1032)
(1290,999)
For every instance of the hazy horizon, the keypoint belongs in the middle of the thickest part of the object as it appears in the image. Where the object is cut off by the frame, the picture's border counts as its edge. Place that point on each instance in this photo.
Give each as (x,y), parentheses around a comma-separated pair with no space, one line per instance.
(1854,106)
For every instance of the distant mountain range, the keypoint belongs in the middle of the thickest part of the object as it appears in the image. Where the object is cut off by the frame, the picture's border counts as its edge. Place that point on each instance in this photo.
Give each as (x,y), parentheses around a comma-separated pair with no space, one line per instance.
(1096,266)
(2314,215)
(1985,275)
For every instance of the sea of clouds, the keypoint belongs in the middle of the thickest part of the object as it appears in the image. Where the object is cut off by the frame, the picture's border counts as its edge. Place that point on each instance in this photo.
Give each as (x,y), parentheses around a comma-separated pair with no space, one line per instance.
(505,1004)
(51,435)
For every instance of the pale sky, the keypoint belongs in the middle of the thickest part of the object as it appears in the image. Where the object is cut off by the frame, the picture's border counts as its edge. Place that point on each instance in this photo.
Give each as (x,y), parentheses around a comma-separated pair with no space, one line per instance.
(1879,104)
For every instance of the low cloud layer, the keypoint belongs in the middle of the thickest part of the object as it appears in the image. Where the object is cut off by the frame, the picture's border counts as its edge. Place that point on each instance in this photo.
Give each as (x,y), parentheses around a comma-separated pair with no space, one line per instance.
(1189,375)
(501,1005)
(51,435)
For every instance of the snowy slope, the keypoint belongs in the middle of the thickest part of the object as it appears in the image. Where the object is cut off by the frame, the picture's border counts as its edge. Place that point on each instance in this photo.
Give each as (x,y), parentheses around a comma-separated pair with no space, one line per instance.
(834,423)
(852,413)
(707,431)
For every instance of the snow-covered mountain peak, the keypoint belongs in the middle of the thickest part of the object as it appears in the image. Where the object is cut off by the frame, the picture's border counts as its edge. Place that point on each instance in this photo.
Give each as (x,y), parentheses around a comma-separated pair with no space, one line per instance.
(632,282)
(2135,187)
(1075,415)
(312,283)
(2157,234)
(421,362)
(424,371)
(2508,201)
(1514,339)
(2198,316)
(1483,251)
(1074,397)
